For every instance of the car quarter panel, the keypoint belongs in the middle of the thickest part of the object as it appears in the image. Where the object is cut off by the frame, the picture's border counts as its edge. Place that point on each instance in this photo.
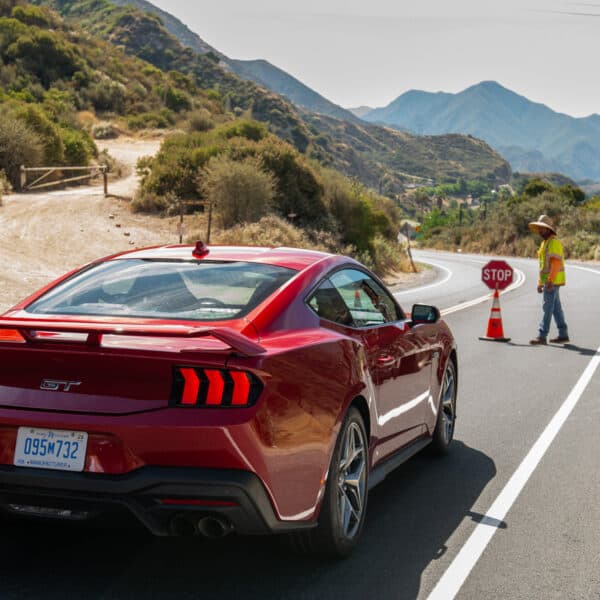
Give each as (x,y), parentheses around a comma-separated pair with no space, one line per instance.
(310,381)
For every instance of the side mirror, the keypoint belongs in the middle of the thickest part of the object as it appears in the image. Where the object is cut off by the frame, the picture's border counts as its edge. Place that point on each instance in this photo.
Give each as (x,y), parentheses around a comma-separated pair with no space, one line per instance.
(422,313)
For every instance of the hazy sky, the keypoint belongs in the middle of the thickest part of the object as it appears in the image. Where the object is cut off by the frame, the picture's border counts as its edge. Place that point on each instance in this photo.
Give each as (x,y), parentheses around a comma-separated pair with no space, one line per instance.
(370,51)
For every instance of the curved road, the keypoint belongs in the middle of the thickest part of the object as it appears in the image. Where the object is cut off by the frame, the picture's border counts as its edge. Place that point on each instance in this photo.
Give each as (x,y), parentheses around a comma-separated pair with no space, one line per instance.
(464,520)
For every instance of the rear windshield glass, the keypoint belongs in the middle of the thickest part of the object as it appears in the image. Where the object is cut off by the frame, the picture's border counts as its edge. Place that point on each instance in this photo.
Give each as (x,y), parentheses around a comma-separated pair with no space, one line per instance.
(202,291)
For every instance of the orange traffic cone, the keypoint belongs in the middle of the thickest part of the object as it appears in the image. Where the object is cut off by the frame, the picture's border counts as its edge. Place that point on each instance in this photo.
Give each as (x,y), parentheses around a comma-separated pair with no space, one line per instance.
(495,331)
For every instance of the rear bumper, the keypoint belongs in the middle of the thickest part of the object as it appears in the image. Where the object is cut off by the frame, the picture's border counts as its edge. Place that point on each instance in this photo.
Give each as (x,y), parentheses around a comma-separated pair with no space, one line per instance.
(234,495)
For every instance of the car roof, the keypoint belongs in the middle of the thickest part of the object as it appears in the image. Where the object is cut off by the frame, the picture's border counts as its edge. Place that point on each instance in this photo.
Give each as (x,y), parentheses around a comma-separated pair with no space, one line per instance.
(290,258)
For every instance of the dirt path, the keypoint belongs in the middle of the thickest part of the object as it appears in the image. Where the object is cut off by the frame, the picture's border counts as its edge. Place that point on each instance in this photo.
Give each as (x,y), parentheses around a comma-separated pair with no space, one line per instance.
(42,235)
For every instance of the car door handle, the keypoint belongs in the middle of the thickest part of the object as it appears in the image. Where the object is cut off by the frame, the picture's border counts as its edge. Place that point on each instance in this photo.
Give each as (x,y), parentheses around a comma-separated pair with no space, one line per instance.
(386,360)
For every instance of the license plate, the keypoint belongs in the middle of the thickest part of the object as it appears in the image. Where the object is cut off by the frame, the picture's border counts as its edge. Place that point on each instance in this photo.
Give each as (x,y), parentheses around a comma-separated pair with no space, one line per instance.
(50,449)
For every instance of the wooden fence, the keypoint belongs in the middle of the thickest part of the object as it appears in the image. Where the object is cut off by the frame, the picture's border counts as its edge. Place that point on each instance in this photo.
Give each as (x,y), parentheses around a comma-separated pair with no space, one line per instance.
(46,172)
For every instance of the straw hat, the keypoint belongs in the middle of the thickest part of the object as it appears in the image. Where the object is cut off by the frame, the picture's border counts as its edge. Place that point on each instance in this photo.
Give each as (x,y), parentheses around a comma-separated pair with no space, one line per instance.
(544,221)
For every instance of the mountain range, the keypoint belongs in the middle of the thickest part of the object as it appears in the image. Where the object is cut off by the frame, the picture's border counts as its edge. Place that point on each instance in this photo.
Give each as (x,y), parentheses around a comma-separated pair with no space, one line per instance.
(531,136)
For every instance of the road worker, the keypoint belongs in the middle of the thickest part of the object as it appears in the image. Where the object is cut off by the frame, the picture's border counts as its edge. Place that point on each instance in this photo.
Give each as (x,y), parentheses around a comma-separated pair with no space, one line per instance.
(551,279)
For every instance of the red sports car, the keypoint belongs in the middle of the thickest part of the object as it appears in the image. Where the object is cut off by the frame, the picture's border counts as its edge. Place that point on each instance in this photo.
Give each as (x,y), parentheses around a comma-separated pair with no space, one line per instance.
(209,390)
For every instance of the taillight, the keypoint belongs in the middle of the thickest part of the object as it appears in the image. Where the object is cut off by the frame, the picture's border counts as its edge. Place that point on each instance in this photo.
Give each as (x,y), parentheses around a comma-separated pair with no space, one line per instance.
(195,387)
(196,502)
(14,336)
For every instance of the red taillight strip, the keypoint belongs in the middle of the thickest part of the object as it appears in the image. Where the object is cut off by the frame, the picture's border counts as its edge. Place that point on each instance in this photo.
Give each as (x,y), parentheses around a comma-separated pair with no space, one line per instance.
(195,502)
(191,387)
(216,386)
(13,336)
(241,388)
(210,388)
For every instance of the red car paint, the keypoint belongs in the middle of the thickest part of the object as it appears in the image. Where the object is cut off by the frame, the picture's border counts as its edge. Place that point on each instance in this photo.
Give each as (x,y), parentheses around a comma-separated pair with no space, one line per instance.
(311,370)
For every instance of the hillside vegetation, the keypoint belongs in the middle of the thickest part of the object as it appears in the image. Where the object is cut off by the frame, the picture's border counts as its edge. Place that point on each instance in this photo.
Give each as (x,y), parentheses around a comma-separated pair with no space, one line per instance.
(56,82)
(249,174)
(500,227)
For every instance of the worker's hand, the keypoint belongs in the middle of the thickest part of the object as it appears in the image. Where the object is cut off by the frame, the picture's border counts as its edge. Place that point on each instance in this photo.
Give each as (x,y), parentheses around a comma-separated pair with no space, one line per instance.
(549,286)
(540,289)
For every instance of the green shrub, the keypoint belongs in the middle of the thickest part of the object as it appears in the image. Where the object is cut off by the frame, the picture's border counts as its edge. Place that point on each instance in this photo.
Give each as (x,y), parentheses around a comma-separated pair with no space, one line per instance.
(19,145)
(244,128)
(79,148)
(104,131)
(152,120)
(177,100)
(45,54)
(241,192)
(106,96)
(32,15)
(50,136)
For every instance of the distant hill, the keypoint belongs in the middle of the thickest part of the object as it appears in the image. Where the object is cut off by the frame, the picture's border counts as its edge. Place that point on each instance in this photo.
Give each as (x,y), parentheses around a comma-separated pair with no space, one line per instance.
(360,111)
(273,78)
(381,156)
(530,135)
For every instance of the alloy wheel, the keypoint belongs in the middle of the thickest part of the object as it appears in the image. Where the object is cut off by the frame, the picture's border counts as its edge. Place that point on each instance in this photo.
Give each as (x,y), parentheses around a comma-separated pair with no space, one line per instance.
(352,476)
(448,405)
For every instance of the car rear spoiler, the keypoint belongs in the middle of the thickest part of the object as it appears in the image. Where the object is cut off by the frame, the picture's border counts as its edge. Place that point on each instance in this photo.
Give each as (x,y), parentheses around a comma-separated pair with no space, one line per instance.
(94,331)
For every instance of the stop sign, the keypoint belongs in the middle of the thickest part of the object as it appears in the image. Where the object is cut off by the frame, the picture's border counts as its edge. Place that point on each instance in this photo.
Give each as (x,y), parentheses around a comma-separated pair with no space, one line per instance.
(497,274)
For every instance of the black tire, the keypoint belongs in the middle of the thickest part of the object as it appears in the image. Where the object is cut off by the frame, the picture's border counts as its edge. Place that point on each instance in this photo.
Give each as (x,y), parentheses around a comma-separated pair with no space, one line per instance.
(443,433)
(345,502)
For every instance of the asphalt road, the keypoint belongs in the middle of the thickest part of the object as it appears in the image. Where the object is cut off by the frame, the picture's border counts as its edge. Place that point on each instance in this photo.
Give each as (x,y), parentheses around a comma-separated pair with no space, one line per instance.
(420,519)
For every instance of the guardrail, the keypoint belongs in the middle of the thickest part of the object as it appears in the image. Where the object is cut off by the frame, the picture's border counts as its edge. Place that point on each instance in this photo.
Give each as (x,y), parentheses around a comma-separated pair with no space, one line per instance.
(40,182)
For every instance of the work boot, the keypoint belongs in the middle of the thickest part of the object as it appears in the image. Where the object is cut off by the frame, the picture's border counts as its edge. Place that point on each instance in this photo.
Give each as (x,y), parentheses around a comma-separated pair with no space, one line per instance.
(560,340)
(538,341)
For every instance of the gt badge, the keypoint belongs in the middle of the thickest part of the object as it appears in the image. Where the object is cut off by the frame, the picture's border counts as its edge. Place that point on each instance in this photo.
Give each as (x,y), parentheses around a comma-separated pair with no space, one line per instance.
(53,385)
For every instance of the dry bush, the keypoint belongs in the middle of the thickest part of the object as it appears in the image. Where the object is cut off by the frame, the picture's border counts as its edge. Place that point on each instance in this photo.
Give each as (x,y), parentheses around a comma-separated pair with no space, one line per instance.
(86,118)
(150,203)
(116,168)
(200,120)
(5,187)
(240,191)
(270,232)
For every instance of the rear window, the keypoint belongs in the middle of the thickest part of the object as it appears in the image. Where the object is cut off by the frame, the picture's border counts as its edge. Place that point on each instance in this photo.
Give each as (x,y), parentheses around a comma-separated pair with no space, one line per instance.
(202,291)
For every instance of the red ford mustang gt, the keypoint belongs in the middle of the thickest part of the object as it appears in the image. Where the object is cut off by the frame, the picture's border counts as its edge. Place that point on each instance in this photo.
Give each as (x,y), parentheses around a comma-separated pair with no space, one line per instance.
(209,390)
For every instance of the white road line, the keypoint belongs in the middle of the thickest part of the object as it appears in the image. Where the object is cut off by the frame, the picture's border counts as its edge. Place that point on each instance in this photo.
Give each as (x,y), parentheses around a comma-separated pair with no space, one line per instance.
(595,271)
(431,285)
(520,280)
(458,571)
(513,286)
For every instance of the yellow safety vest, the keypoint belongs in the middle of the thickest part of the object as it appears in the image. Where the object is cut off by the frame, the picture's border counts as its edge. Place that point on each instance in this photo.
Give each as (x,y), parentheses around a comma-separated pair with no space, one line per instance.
(551,248)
